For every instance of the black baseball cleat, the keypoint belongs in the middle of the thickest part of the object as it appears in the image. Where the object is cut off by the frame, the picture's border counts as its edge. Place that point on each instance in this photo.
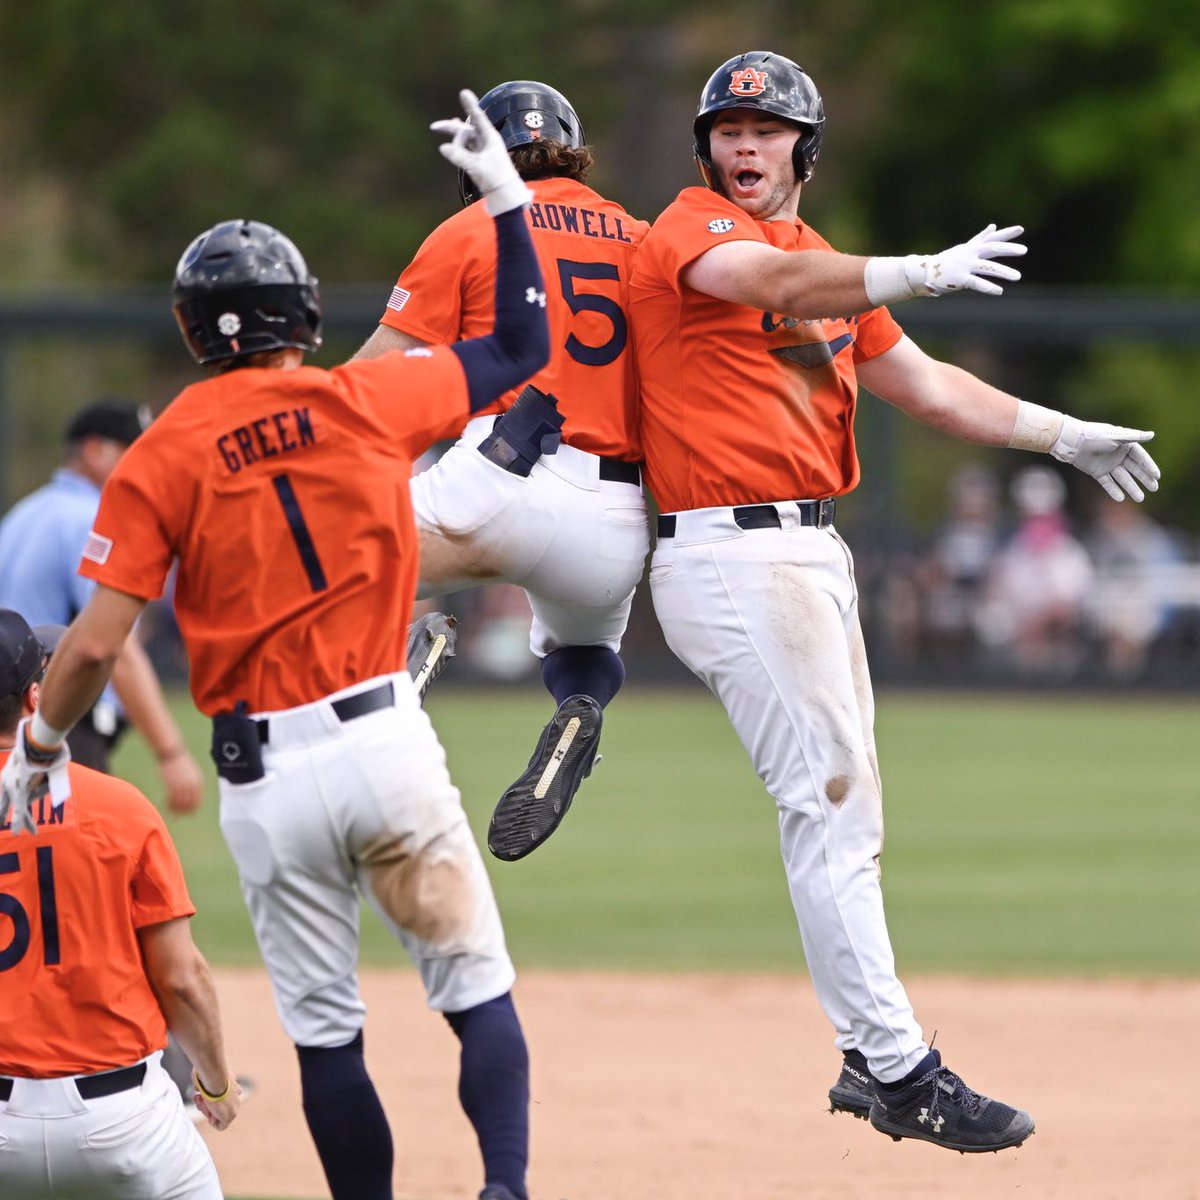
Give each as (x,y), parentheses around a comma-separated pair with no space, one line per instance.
(940,1108)
(533,808)
(431,642)
(852,1091)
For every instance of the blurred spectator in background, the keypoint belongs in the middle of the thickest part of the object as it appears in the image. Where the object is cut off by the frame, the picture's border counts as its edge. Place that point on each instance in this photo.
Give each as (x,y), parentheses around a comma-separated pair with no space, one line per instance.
(41,541)
(1038,586)
(952,577)
(1134,561)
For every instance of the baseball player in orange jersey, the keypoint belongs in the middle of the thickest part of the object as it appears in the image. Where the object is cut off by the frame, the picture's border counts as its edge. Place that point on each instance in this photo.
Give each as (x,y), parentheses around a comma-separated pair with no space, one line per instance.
(751,338)
(283,492)
(96,962)
(569,526)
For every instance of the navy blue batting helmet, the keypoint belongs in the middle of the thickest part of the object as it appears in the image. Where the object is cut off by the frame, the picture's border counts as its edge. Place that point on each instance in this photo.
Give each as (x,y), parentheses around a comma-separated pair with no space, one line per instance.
(243,288)
(525,111)
(773,84)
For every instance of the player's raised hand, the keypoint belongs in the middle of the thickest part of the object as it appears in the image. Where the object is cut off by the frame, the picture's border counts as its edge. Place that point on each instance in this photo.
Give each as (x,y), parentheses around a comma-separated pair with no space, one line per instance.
(969,266)
(476,147)
(29,775)
(1111,455)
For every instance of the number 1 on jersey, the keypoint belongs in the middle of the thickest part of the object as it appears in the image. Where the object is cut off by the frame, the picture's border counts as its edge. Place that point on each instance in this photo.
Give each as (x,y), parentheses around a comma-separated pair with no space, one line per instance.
(300,535)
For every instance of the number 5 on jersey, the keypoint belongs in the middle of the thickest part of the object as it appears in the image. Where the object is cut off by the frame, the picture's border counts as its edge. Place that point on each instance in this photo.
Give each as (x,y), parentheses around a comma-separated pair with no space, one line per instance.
(577,302)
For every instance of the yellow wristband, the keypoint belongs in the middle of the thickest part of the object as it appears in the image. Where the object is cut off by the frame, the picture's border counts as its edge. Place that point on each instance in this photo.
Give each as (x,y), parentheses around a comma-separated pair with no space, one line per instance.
(207,1094)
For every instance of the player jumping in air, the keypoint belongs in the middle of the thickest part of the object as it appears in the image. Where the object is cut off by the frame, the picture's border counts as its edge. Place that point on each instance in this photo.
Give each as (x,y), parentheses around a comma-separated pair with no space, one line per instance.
(752,337)
(566,519)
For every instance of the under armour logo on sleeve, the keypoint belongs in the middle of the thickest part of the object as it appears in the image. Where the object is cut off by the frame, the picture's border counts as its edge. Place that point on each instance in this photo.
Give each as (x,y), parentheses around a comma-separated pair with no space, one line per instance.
(533,296)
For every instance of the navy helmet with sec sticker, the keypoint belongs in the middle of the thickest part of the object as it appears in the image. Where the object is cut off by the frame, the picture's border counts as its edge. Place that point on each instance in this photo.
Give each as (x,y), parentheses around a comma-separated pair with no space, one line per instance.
(243,288)
(773,84)
(525,111)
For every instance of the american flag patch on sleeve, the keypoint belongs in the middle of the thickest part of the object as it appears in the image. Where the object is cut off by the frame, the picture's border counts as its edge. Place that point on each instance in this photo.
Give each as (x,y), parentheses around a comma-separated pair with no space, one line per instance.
(97,548)
(399,298)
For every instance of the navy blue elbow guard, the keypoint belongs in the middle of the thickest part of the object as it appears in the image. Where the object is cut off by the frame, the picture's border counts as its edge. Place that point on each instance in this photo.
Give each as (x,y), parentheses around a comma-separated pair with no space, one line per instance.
(531,428)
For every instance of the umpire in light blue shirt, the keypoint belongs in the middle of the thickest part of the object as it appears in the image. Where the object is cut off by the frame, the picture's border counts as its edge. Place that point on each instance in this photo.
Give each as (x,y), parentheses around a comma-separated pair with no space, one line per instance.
(41,541)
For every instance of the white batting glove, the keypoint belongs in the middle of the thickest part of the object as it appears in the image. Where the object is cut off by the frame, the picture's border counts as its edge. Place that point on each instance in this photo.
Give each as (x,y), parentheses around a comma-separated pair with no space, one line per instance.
(966,267)
(475,146)
(1110,454)
(27,776)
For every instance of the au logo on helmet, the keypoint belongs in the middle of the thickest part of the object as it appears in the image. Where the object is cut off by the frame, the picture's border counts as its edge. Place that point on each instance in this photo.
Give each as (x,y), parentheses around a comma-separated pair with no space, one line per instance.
(748,82)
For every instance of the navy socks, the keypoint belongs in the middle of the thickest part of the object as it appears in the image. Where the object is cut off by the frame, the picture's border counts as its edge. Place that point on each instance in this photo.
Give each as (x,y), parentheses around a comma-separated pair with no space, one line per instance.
(346,1121)
(594,671)
(927,1064)
(493,1087)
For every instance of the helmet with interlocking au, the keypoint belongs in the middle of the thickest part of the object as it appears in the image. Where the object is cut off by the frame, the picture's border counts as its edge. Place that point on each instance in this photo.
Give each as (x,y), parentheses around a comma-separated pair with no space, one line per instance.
(773,84)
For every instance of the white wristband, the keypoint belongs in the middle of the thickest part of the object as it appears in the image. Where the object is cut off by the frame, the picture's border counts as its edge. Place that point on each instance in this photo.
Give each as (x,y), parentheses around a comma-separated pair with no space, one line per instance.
(890,280)
(44,734)
(1035,428)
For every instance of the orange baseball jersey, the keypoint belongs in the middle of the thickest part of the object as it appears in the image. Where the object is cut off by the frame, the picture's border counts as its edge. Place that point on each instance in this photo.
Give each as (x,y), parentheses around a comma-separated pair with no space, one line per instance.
(585,246)
(741,406)
(72,899)
(285,497)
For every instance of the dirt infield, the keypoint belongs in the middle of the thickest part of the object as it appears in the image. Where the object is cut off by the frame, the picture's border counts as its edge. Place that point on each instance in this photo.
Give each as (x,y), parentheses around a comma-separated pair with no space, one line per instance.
(685,1087)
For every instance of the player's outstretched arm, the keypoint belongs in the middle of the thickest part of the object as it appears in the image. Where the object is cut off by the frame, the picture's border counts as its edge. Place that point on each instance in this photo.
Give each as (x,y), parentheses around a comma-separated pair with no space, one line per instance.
(811,284)
(519,344)
(948,398)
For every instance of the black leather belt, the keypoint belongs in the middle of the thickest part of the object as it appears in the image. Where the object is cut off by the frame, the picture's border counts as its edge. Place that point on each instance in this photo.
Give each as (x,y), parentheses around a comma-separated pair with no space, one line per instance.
(615,470)
(92,1087)
(349,707)
(765,516)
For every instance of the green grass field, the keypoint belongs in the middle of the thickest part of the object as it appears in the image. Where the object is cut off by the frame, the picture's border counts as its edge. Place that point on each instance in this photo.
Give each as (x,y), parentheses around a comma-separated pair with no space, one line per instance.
(1024,836)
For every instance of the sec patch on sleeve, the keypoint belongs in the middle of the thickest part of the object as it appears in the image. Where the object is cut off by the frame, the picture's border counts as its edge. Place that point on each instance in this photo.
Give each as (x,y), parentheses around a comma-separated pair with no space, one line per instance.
(720,225)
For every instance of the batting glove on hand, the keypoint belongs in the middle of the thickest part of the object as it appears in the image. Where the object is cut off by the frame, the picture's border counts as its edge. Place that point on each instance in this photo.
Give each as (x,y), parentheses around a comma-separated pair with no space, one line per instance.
(967,267)
(27,776)
(475,146)
(1110,454)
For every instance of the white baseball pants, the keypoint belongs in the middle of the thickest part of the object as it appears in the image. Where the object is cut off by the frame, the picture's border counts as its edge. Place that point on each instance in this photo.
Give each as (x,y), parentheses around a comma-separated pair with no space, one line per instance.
(133,1145)
(768,619)
(575,542)
(362,807)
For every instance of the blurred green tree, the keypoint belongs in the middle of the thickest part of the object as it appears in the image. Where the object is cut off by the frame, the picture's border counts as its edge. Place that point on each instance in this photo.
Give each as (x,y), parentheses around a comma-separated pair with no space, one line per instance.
(1079,118)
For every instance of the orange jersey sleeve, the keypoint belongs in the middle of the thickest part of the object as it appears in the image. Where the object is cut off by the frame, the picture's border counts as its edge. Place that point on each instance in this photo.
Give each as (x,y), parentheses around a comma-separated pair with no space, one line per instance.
(741,406)
(285,496)
(72,898)
(585,246)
